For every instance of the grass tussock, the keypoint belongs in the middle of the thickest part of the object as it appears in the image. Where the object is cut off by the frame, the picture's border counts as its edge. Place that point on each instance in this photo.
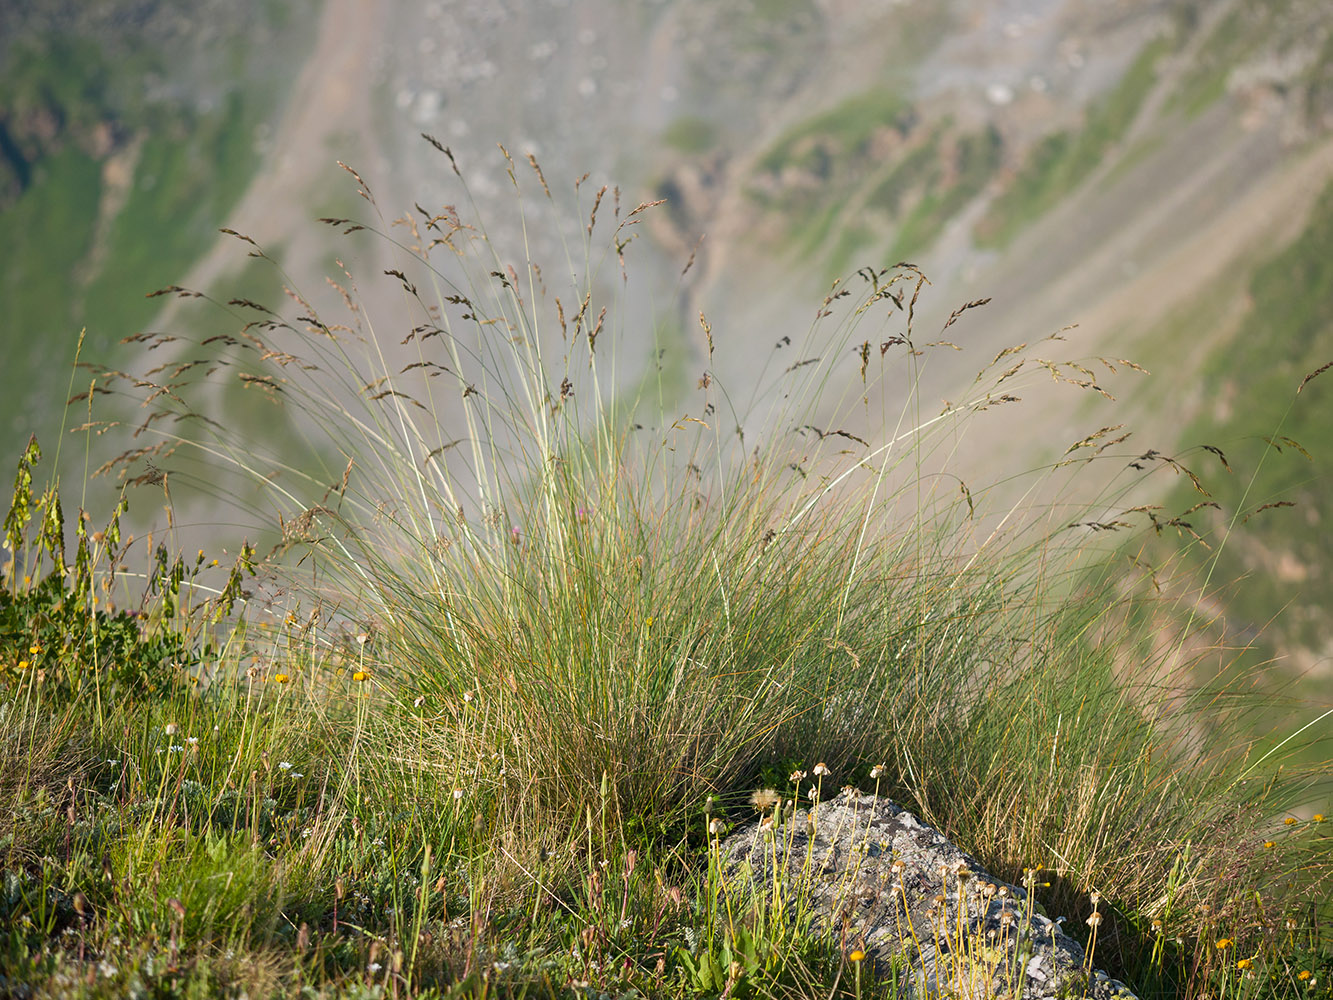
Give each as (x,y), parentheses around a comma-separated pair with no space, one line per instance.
(530,615)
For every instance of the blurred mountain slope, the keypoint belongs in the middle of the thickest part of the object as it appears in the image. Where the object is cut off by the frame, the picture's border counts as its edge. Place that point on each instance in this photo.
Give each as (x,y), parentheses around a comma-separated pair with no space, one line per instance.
(127,133)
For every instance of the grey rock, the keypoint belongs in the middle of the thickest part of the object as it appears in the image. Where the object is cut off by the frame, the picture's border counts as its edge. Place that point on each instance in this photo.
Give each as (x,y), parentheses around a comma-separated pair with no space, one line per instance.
(878,879)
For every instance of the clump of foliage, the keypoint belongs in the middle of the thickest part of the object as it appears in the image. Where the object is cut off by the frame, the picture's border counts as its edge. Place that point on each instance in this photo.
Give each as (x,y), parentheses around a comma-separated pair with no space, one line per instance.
(59,628)
(536,618)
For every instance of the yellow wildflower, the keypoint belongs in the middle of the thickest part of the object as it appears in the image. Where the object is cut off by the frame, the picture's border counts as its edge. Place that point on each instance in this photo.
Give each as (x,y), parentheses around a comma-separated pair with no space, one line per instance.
(360,676)
(857,956)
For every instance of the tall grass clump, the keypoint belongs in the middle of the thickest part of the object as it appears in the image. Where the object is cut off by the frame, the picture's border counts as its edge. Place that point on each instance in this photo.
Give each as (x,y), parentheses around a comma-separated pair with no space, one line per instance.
(536,600)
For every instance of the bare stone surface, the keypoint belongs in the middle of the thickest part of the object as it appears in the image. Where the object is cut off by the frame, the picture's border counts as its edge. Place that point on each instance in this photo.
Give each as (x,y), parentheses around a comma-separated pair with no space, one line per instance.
(884,882)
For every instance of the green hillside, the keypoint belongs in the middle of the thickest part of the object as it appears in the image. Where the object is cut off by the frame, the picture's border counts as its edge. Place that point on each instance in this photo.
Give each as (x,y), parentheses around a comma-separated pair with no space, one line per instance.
(111,186)
(1274,430)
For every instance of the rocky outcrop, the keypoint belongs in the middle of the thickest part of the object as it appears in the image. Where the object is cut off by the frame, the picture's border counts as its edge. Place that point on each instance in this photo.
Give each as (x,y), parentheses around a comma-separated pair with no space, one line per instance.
(892,887)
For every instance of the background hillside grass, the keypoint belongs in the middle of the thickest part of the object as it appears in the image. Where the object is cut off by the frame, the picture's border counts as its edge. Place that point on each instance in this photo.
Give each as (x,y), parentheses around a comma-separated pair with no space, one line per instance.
(1262,560)
(1061,161)
(80,253)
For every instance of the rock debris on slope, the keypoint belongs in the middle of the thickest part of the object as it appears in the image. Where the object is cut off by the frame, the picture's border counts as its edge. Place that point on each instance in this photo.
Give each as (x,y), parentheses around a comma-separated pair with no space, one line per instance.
(866,855)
